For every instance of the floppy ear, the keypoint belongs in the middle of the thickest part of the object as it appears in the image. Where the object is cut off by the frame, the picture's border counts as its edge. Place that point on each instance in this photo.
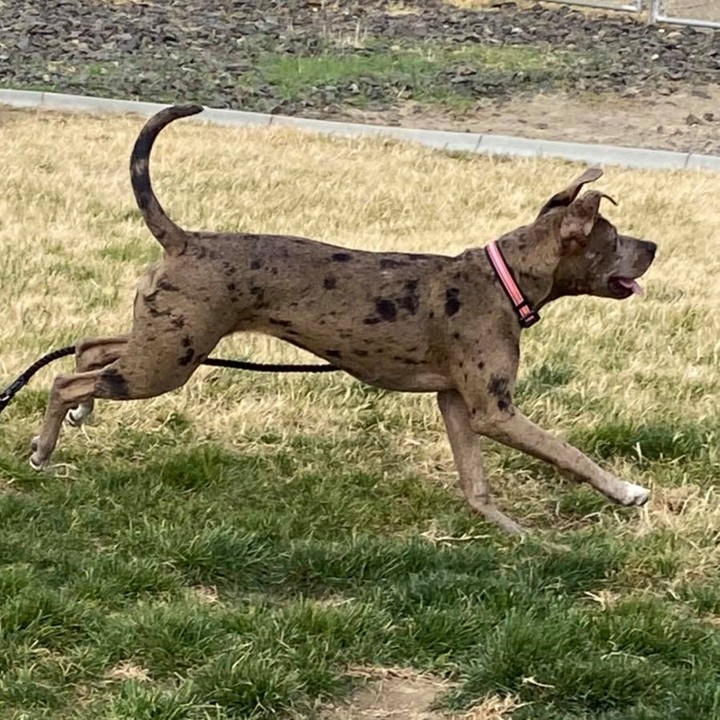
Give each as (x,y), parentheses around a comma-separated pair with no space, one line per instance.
(580,217)
(567,196)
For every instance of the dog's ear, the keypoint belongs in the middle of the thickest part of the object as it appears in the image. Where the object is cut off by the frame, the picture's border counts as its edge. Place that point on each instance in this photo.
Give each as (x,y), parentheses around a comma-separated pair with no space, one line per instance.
(580,218)
(567,196)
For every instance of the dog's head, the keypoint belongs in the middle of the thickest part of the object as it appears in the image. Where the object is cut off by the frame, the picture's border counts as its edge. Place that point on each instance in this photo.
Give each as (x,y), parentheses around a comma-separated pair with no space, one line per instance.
(594,259)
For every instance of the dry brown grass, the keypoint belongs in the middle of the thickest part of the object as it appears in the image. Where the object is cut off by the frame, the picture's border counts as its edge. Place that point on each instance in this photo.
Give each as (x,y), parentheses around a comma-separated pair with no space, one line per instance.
(74,246)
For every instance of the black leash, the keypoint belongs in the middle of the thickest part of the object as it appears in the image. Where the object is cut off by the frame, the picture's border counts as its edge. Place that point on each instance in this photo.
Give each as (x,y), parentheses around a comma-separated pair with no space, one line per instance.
(11,390)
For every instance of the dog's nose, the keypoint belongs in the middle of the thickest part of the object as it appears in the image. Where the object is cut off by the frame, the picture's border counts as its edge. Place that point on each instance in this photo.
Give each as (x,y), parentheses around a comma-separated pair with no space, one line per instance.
(650,247)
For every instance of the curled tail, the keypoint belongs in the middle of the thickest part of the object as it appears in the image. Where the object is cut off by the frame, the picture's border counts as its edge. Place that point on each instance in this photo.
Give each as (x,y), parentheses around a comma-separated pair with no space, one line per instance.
(171,236)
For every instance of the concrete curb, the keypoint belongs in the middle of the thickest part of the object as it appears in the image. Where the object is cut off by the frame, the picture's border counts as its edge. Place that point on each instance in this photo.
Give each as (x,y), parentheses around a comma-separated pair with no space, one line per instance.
(443,140)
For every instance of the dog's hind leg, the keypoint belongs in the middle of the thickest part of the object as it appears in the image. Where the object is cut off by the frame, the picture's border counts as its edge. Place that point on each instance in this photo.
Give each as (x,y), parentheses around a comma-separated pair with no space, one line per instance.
(93,354)
(467,453)
(156,358)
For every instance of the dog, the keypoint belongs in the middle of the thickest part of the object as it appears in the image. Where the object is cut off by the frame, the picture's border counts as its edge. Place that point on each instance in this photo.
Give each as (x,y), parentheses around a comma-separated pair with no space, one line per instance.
(399,321)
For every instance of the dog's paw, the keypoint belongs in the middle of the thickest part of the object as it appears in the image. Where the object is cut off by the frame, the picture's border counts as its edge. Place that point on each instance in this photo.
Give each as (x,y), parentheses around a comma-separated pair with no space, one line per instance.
(634,495)
(37,462)
(78,415)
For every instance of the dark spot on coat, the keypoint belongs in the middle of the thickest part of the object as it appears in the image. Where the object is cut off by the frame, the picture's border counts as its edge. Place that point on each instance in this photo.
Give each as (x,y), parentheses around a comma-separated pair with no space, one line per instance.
(341,257)
(168,286)
(281,323)
(255,265)
(186,341)
(498,387)
(187,358)
(178,322)
(231,287)
(154,312)
(333,353)
(386,309)
(228,268)
(452,304)
(371,321)
(259,295)
(431,314)
(411,301)
(481,365)
(456,336)
(330,282)
(114,385)
(405,360)
(361,353)
(390,263)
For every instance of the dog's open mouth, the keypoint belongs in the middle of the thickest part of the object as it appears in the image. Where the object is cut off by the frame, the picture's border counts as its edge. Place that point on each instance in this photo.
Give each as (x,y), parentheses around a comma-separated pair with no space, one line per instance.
(625,286)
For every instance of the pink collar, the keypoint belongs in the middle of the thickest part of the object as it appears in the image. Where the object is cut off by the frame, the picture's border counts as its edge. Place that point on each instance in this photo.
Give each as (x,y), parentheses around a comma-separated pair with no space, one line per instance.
(527,315)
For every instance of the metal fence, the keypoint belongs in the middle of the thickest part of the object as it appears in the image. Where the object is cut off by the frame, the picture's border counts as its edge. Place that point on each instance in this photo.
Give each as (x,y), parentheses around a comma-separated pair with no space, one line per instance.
(699,13)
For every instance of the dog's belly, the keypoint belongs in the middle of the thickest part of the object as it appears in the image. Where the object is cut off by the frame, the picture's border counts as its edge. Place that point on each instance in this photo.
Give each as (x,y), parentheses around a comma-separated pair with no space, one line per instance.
(388,368)
(414,381)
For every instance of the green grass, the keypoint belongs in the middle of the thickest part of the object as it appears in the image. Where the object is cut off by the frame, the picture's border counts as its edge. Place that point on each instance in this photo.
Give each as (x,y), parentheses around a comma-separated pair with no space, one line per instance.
(316,565)
(446,75)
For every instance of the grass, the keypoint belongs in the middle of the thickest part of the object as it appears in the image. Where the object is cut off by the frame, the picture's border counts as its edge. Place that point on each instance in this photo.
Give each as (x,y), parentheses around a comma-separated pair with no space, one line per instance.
(237,549)
(429,73)
(356,70)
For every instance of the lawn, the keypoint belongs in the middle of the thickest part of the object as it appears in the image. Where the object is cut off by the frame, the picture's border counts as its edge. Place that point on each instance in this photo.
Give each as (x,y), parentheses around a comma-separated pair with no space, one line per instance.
(254,546)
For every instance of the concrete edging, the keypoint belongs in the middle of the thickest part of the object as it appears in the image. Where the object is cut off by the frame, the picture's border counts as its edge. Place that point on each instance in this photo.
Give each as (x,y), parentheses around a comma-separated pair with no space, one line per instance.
(443,140)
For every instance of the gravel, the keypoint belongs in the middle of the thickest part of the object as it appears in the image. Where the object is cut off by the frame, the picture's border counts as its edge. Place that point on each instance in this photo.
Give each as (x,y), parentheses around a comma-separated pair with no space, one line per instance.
(194,50)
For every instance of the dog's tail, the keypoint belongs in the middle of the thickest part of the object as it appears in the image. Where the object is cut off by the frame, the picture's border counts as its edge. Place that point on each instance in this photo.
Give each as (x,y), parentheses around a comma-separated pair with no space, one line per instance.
(171,236)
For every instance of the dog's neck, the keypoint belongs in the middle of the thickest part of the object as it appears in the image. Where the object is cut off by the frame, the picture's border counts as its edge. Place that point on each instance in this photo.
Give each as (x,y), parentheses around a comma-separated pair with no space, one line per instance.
(532,258)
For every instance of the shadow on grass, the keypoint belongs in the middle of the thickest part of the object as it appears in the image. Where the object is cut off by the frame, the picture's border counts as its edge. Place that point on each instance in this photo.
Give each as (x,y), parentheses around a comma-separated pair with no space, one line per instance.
(248,583)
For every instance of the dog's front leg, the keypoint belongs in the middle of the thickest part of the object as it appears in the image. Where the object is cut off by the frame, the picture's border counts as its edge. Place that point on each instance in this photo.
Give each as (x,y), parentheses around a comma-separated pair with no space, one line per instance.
(512,428)
(467,453)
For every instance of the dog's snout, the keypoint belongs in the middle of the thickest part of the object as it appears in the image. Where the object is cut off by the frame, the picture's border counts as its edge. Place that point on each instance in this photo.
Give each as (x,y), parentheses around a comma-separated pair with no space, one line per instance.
(649,247)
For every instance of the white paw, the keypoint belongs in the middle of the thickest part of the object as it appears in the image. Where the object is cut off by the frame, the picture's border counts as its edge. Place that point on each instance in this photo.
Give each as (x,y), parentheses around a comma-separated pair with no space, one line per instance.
(79,415)
(36,461)
(634,495)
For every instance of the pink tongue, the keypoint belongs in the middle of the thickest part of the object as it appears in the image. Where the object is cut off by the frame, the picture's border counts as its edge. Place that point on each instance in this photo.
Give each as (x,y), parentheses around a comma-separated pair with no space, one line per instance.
(631,285)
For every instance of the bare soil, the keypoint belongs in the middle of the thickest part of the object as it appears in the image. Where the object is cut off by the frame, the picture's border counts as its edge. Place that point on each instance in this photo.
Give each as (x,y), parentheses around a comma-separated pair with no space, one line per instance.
(687,121)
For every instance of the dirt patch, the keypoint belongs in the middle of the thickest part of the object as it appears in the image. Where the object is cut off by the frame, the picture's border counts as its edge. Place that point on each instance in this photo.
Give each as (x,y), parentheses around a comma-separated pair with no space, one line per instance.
(399,694)
(686,121)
